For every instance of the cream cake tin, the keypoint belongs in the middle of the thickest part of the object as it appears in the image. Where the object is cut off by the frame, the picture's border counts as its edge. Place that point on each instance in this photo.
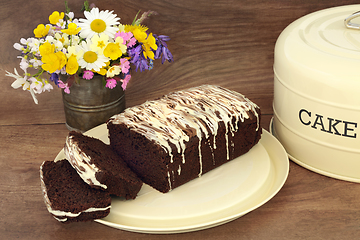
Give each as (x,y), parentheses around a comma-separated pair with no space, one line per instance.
(317,92)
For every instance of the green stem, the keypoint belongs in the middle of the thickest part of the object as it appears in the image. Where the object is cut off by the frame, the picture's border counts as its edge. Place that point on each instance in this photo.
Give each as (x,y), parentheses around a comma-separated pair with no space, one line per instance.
(134,21)
(39,73)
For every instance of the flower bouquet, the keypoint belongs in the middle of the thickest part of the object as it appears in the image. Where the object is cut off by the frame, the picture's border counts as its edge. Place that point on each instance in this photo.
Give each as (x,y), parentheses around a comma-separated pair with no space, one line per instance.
(68,49)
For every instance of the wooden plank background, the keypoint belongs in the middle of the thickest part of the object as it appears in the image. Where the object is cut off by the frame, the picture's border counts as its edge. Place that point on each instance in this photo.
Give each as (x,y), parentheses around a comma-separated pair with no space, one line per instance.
(229,43)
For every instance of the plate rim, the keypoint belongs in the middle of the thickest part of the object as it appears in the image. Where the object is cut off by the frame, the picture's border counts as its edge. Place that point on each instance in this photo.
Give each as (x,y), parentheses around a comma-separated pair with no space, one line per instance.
(269,142)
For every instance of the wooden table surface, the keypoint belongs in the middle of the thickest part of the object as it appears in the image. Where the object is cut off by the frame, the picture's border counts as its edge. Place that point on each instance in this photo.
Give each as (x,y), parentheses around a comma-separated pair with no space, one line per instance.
(229,43)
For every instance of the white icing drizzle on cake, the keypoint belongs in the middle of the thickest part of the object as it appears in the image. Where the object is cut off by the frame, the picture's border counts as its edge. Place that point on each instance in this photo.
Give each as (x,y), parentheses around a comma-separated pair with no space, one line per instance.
(59,214)
(179,170)
(168,177)
(81,162)
(62,216)
(195,111)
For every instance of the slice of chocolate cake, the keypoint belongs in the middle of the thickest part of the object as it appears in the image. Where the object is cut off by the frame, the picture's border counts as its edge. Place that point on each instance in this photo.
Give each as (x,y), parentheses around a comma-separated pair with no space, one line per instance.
(67,197)
(100,167)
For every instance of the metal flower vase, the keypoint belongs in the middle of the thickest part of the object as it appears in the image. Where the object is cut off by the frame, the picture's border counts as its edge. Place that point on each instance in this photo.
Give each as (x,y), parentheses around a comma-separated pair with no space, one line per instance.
(90,104)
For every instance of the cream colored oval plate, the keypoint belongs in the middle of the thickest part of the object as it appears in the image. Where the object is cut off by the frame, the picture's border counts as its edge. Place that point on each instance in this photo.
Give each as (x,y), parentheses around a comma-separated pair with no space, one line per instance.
(219,196)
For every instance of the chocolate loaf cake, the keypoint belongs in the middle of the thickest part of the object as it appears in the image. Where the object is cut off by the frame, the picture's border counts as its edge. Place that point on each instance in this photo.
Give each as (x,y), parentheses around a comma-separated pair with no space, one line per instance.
(100,167)
(67,197)
(172,140)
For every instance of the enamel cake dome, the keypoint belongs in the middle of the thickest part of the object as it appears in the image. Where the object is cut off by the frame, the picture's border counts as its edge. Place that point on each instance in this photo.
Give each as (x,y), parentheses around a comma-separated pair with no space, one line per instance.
(317,92)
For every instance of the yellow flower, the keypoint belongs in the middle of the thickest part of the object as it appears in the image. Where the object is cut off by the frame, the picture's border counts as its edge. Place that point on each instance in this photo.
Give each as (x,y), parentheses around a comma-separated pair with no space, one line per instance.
(121,27)
(51,62)
(72,29)
(41,30)
(139,35)
(112,51)
(46,48)
(149,44)
(55,17)
(71,50)
(139,32)
(131,28)
(63,38)
(103,70)
(119,41)
(151,41)
(148,53)
(113,70)
(62,59)
(98,43)
(72,65)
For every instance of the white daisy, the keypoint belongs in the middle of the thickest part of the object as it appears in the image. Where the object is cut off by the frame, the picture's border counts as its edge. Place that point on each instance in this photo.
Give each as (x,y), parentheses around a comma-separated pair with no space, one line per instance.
(98,22)
(89,59)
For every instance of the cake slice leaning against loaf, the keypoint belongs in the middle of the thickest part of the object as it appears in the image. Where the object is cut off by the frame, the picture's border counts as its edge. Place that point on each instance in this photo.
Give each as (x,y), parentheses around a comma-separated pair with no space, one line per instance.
(178,137)
(67,197)
(100,167)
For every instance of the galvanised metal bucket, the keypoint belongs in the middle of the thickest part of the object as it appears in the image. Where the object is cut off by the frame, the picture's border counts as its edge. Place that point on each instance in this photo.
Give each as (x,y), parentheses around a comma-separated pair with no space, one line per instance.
(90,104)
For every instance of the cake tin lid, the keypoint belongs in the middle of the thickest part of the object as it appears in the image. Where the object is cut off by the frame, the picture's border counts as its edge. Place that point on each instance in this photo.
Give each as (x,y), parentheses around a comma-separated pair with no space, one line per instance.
(319,55)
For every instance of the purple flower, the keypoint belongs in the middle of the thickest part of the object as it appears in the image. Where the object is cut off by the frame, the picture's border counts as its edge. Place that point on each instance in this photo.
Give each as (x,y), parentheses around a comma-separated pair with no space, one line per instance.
(138,59)
(163,49)
(55,78)
(142,64)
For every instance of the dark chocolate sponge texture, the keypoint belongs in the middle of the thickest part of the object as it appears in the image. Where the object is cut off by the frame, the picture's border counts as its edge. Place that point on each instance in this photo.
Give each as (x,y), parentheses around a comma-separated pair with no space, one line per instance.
(67,197)
(178,137)
(100,166)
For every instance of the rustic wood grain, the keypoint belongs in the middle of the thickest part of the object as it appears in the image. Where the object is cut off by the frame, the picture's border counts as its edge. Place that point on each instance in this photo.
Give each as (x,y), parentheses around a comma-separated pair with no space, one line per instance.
(229,43)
